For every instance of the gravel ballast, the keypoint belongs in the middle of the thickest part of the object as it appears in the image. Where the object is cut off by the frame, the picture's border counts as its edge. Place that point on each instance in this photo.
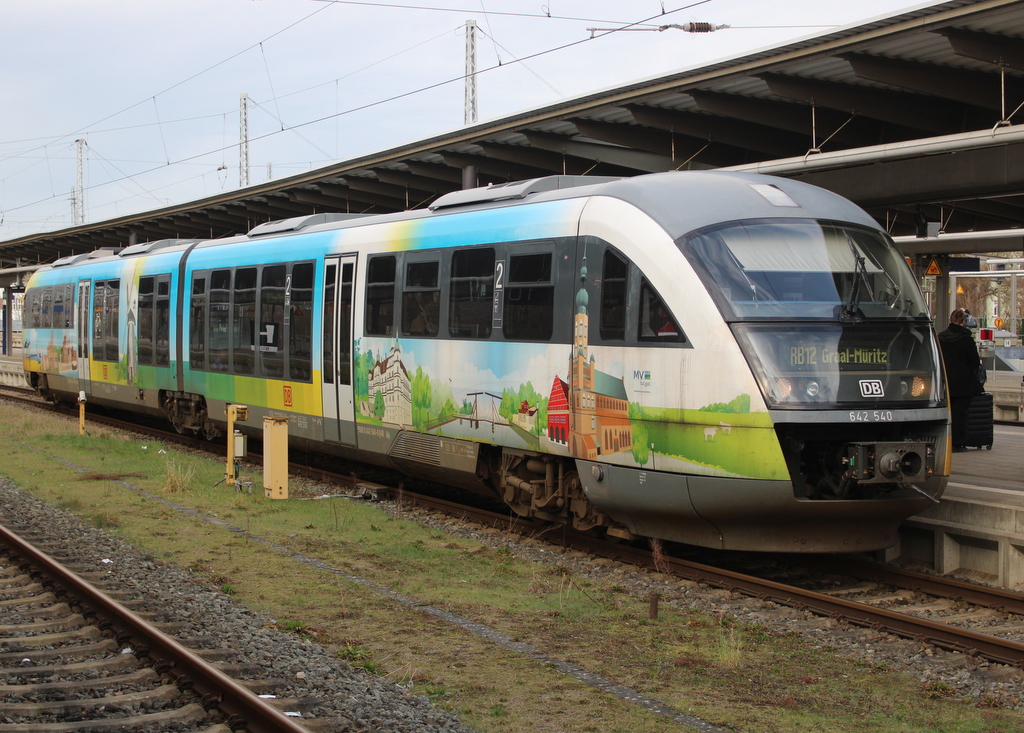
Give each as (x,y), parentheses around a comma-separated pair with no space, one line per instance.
(349,699)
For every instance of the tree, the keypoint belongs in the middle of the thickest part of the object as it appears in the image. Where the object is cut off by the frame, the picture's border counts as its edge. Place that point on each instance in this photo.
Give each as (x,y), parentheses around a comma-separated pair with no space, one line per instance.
(641,438)
(421,395)
(378,405)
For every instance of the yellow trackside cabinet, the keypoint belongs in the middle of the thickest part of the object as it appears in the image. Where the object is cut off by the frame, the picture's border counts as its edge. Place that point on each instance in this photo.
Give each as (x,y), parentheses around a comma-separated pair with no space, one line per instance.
(275,457)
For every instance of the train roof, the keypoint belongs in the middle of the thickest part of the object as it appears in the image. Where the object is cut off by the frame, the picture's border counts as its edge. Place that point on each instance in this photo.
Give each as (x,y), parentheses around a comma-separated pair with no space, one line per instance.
(680,202)
(687,201)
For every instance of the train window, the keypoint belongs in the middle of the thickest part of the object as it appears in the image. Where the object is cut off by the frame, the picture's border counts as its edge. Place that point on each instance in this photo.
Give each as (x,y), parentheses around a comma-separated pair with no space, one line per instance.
(243,328)
(30,314)
(529,298)
(300,328)
(345,324)
(472,290)
(163,320)
(144,338)
(197,325)
(69,306)
(421,299)
(380,296)
(656,323)
(99,297)
(47,308)
(613,297)
(219,321)
(61,308)
(272,304)
(327,339)
(111,314)
(105,313)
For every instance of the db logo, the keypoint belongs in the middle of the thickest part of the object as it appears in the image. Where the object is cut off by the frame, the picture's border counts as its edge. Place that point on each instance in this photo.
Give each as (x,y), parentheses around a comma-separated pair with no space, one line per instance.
(871,388)
(287,396)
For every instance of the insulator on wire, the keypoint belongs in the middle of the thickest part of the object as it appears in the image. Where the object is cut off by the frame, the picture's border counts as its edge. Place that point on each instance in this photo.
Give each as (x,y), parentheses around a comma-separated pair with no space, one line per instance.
(692,27)
(695,27)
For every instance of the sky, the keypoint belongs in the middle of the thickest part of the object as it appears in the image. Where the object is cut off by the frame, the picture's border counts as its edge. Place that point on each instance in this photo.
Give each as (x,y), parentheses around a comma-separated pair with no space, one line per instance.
(153,86)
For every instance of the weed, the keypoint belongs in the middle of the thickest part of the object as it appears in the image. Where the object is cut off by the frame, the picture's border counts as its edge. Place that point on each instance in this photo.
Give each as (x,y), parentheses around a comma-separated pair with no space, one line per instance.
(939,689)
(498,711)
(104,520)
(658,556)
(71,504)
(228,589)
(352,653)
(178,478)
(730,650)
(292,626)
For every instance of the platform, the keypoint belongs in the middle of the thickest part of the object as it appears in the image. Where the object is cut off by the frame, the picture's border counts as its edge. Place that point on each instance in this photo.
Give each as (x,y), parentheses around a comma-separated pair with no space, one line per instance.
(977,530)
(12,373)
(1007,395)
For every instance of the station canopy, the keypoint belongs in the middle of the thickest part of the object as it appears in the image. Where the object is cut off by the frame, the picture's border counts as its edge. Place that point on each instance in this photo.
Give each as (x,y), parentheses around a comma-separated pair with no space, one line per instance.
(917,117)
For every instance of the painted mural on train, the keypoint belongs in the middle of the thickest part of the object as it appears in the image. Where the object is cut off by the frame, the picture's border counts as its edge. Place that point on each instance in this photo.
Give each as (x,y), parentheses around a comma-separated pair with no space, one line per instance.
(565,401)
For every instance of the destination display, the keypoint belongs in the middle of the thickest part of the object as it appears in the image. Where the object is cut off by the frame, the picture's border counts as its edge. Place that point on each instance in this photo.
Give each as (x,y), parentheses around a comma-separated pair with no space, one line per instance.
(817,364)
(815,355)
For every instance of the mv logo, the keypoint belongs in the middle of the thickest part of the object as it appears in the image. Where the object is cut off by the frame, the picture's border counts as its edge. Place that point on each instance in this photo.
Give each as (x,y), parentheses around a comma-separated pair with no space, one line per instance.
(871,388)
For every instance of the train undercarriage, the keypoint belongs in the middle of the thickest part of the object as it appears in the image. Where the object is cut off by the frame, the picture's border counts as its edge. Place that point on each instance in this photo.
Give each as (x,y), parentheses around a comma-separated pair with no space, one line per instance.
(549,488)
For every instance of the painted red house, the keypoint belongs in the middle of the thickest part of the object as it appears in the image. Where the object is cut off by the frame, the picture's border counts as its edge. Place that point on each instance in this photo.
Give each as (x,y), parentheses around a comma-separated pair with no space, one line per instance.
(558,412)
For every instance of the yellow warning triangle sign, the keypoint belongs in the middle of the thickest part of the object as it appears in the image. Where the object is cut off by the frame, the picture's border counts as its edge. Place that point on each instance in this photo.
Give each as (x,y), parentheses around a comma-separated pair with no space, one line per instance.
(933,268)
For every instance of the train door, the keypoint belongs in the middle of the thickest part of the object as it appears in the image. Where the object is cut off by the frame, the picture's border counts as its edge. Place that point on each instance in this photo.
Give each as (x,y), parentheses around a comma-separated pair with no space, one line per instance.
(83,324)
(339,408)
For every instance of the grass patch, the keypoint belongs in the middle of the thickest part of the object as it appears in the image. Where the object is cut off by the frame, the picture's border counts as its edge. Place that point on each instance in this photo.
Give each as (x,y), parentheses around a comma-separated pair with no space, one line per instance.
(742,676)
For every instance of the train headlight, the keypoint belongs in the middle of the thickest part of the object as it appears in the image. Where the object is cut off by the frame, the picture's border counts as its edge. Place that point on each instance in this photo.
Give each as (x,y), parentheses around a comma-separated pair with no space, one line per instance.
(784,387)
(919,386)
(812,388)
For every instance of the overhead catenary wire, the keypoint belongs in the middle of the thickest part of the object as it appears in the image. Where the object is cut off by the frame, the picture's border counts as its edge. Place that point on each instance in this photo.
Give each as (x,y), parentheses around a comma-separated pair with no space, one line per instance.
(387,100)
(339,113)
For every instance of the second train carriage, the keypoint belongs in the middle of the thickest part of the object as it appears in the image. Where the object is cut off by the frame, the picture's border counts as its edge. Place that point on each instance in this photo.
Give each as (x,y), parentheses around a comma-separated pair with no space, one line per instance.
(728,360)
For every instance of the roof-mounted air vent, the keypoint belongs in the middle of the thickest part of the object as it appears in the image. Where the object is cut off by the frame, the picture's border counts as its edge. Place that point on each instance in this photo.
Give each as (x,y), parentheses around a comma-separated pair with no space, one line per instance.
(146,247)
(298,223)
(514,190)
(94,255)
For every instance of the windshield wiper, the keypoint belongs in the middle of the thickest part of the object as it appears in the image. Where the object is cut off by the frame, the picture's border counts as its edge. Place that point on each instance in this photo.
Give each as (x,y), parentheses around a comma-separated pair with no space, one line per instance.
(851,310)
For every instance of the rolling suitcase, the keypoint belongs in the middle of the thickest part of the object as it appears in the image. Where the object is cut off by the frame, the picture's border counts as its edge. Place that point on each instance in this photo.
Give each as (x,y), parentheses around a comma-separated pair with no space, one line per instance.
(979,421)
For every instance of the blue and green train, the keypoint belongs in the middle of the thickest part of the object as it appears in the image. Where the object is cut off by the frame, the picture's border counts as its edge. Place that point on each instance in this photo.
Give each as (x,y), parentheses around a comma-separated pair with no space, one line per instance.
(722,359)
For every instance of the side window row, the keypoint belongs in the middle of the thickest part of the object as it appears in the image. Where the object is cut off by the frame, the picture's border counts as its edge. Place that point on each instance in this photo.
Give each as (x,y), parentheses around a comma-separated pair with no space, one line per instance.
(484,292)
(52,306)
(655,323)
(253,321)
(515,292)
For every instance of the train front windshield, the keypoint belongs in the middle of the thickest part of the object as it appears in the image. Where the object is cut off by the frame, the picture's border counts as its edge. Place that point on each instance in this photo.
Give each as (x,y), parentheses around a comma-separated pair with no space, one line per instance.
(826,313)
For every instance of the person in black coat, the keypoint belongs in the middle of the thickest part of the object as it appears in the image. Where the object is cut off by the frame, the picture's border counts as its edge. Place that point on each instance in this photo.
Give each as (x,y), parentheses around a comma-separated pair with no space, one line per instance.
(960,356)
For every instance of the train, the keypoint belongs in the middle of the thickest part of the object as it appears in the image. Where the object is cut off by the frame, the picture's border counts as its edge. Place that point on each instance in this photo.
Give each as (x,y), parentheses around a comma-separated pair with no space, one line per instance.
(722,359)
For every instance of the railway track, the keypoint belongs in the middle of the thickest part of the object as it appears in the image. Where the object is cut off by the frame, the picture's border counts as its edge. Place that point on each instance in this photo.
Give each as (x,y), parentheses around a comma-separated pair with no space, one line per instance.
(973,619)
(72,658)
